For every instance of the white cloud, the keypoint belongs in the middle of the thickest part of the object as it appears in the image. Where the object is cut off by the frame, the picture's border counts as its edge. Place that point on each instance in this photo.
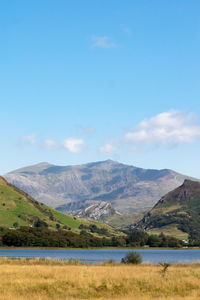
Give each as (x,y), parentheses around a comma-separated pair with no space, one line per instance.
(170,128)
(107,148)
(73,145)
(102,42)
(49,143)
(29,139)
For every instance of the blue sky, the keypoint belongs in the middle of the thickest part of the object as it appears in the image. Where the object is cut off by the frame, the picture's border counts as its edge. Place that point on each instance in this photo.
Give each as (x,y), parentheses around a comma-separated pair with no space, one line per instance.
(90,80)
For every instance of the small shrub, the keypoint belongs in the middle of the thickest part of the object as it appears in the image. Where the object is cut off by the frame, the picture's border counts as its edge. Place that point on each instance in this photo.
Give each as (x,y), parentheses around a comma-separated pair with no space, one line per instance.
(15,225)
(40,223)
(58,226)
(132,258)
(165,267)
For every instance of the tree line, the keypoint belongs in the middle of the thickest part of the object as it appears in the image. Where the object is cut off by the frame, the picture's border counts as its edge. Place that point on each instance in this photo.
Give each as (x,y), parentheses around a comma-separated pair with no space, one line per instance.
(45,237)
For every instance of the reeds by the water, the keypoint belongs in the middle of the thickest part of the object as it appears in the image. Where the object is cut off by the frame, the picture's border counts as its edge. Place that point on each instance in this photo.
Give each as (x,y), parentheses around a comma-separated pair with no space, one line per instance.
(39,261)
(46,279)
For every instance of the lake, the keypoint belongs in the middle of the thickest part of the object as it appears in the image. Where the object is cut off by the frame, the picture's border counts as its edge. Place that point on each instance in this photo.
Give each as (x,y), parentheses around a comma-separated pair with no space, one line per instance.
(101,255)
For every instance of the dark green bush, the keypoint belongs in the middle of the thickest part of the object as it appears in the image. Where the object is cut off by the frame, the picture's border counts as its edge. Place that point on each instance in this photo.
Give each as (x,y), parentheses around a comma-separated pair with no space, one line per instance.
(132,258)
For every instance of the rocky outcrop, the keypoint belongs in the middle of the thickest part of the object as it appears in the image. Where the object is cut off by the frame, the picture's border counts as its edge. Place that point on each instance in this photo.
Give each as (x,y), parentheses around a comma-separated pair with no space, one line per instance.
(100,211)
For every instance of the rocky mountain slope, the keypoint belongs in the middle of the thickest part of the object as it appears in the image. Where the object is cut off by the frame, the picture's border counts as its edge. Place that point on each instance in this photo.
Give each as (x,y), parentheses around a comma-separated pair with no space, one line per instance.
(128,188)
(176,212)
(99,211)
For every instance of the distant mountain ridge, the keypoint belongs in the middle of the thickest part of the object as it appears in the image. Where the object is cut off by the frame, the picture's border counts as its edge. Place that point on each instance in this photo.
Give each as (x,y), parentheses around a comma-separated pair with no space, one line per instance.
(127,188)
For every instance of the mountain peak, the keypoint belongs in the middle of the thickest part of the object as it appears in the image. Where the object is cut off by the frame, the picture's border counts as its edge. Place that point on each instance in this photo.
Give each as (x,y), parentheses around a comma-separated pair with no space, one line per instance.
(110,161)
(44,163)
(107,161)
(182,194)
(177,210)
(189,183)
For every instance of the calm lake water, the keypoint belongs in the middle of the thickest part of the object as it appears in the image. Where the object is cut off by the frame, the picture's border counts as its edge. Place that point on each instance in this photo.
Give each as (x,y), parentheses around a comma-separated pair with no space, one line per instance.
(101,255)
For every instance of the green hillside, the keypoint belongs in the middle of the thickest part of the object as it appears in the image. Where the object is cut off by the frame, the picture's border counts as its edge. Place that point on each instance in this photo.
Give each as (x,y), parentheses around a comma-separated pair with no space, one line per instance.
(124,221)
(177,213)
(19,209)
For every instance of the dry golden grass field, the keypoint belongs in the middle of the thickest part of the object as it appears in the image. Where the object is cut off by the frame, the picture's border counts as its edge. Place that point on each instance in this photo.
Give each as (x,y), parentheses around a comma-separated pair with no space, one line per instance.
(45,280)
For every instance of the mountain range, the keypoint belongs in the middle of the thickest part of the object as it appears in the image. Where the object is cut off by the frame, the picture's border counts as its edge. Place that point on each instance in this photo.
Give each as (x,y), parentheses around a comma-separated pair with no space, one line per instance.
(128,188)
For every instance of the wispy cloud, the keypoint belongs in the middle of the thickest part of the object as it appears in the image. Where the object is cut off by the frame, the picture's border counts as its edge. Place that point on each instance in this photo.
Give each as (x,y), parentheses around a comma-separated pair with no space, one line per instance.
(103,42)
(73,145)
(107,148)
(167,128)
(29,139)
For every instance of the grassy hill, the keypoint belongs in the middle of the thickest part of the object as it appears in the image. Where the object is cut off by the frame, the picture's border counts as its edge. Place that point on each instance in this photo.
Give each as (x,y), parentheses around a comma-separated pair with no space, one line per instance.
(19,209)
(177,213)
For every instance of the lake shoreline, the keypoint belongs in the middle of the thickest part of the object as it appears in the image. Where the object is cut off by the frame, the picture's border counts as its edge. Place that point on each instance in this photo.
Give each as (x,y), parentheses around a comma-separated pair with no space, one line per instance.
(75,262)
(99,248)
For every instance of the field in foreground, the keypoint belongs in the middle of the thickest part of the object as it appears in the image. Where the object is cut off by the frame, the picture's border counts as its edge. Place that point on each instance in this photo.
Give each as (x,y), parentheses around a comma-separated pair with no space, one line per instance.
(42,280)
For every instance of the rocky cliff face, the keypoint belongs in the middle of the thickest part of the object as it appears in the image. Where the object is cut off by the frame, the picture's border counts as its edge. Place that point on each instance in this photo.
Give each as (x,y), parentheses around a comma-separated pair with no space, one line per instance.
(127,188)
(100,211)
